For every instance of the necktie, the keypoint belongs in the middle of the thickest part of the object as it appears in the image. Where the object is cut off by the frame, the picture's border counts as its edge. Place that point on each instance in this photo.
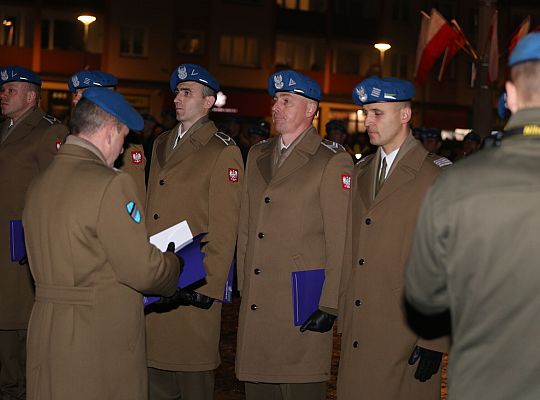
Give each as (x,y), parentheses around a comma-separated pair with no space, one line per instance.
(382,176)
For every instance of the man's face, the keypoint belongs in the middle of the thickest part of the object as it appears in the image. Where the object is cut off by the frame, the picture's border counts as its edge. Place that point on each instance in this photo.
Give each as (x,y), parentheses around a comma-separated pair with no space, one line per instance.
(190,102)
(289,112)
(76,96)
(117,142)
(384,124)
(16,99)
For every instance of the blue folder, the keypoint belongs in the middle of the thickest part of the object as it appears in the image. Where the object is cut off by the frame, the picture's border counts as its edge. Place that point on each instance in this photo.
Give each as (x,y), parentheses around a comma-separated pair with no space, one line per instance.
(16,240)
(306,293)
(194,270)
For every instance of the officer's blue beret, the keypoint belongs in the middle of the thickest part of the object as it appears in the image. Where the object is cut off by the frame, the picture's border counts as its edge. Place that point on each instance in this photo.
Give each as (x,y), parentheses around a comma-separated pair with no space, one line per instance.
(292,81)
(85,79)
(15,73)
(527,49)
(502,110)
(431,133)
(336,125)
(261,128)
(115,104)
(377,90)
(192,73)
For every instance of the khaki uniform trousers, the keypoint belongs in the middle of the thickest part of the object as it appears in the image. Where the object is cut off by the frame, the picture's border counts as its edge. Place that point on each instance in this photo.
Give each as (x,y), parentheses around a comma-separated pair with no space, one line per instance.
(286,391)
(176,385)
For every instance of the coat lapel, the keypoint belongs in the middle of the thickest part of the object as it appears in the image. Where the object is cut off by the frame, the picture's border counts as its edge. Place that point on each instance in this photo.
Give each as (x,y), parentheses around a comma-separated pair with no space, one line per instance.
(24,127)
(264,161)
(365,180)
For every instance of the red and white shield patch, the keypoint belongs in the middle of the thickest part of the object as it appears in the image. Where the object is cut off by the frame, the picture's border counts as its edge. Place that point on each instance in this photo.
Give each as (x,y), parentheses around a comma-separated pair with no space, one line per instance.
(136,156)
(233,175)
(58,144)
(345,181)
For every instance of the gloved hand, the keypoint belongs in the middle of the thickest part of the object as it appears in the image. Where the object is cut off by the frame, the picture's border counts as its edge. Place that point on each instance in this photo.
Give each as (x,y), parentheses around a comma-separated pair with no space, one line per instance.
(179,298)
(170,247)
(428,365)
(201,301)
(319,321)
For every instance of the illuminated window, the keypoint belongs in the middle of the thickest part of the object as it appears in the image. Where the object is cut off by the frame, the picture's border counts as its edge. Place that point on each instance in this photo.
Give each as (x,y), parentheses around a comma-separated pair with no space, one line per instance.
(303,5)
(190,42)
(300,53)
(239,50)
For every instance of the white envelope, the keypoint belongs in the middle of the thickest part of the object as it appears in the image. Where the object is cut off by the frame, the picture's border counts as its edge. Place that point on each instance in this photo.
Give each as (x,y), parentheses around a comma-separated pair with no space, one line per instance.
(180,234)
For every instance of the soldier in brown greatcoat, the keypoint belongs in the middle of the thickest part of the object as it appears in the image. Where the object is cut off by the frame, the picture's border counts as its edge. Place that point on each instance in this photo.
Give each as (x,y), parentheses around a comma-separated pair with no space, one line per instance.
(382,357)
(132,160)
(196,175)
(293,218)
(90,257)
(29,140)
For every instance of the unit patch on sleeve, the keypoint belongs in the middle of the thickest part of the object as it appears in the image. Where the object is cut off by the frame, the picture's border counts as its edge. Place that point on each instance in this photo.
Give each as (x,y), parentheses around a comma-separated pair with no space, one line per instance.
(233,175)
(133,211)
(136,157)
(345,181)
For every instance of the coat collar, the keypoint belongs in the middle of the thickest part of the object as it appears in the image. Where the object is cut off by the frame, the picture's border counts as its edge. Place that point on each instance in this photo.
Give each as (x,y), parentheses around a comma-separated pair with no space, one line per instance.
(24,126)
(408,162)
(299,156)
(196,137)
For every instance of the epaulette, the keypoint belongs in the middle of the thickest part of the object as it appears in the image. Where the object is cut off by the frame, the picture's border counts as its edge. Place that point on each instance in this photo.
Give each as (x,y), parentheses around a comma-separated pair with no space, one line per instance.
(440,161)
(261,142)
(332,146)
(229,141)
(363,160)
(50,119)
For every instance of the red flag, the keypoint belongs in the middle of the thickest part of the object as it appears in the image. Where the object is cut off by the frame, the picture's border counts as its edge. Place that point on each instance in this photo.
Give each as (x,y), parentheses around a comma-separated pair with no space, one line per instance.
(438,34)
(493,56)
(521,31)
(451,51)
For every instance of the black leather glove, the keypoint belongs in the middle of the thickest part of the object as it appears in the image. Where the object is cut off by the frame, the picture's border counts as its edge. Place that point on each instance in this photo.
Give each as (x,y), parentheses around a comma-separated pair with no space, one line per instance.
(319,321)
(170,247)
(429,363)
(179,298)
(201,301)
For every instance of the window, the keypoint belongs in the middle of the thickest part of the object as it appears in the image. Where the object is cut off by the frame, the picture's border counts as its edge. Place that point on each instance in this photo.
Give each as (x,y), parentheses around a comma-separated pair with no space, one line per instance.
(62,34)
(190,42)
(133,41)
(300,53)
(399,65)
(303,5)
(347,60)
(239,50)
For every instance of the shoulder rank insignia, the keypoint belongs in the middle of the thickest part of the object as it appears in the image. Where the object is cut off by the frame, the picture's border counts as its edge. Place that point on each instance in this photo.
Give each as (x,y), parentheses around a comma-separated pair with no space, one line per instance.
(225,138)
(50,119)
(442,162)
(332,146)
(133,211)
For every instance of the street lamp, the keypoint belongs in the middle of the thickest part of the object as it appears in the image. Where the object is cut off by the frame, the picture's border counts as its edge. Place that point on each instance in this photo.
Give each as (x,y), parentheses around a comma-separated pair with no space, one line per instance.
(382,47)
(86,20)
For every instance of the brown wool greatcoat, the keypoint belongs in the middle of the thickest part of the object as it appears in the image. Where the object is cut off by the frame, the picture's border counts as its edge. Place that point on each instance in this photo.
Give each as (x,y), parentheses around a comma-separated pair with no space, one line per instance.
(134,162)
(376,341)
(27,151)
(89,259)
(196,183)
(301,211)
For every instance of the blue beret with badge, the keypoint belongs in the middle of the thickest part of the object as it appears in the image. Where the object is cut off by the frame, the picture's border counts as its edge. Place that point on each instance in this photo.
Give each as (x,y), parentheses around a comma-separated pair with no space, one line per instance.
(115,104)
(14,73)
(527,49)
(378,90)
(85,79)
(292,81)
(192,73)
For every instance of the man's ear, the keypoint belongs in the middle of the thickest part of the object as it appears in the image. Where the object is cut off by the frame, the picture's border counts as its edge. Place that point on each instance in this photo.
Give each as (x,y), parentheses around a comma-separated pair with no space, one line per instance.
(311,108)
(209,102)
(511,97)
(31,96)
(405,114)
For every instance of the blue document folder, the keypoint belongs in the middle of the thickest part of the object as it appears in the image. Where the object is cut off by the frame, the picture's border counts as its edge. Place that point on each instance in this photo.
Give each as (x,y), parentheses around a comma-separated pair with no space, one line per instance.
(306,293)
(194,270)
(16,240)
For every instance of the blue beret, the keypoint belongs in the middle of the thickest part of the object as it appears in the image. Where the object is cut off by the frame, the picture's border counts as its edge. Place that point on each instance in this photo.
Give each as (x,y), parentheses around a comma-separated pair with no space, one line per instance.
(85,79)
(377,90)
(337,125)
(115,104)
(527,49)
(192,73)
(431,133)
(15,73)
(502,110)
(292,81)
